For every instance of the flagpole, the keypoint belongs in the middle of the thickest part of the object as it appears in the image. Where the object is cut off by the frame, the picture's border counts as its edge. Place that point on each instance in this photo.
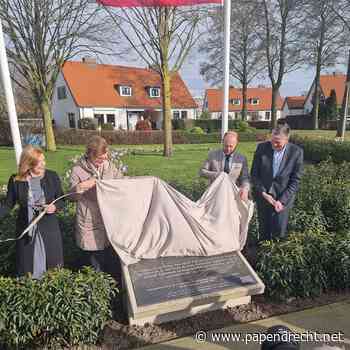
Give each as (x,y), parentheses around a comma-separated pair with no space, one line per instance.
(226,87)
(10,101)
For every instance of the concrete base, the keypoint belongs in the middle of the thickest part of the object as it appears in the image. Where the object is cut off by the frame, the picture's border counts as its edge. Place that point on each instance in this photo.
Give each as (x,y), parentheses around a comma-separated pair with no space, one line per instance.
(183,307)
(179,315)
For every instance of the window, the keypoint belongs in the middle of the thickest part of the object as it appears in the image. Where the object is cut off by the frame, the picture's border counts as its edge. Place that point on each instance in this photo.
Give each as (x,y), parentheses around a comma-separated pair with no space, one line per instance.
(71,120)
(125,91)
(61,92)
(176,115)
(254,116)
(99,118)
(254,101)
(267,115)
(111,119)
(235,101)
(183,114)
(232,115)
(154,92)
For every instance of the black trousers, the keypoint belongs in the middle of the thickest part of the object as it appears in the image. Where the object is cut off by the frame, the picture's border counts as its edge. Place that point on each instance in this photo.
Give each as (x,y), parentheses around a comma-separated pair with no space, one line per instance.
(106,260)
(272,225)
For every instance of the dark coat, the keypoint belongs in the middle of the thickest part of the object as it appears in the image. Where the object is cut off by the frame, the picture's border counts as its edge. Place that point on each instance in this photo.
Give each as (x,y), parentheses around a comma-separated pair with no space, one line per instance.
(285,184)
(17,193)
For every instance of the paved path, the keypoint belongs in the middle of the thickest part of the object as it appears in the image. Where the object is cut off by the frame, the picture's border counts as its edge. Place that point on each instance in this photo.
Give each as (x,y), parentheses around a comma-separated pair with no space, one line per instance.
(333,318)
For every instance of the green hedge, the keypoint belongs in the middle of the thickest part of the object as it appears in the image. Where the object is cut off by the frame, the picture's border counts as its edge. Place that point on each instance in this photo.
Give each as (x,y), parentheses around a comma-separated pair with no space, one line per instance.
(323,201)
(79,137)
(319,150)
(62,309)
(305,265)
(210,125)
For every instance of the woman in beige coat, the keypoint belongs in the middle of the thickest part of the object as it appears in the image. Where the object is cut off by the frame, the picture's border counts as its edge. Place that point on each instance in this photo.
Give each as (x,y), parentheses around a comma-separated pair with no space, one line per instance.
(90,231)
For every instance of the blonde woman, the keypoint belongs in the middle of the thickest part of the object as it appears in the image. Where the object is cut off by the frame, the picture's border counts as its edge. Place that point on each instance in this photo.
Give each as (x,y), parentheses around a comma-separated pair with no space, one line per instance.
(33,188)
(90,231)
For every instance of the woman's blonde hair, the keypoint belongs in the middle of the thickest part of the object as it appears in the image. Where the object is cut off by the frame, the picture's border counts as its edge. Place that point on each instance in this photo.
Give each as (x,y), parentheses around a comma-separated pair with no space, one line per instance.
(96,147)
(29,159)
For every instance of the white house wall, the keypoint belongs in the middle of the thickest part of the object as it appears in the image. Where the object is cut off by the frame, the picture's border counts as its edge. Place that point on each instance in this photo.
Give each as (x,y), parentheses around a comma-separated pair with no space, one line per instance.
(294,112)
(61,108)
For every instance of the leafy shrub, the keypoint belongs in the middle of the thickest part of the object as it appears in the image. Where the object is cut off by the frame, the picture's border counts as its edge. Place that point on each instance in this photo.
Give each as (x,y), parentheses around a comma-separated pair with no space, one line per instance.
(192,190)
(182,124)
(87,124)
(305,265)
(79,137)
(197,130)
(107,126)
(7,250)
(323,201)
(320,150)
(64,308)
(205,115)
(241,125)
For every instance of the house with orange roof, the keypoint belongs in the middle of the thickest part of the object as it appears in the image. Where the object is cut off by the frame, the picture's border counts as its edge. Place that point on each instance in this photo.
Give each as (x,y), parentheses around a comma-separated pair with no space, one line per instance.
(115,94)
(258,106)
(328,82)
(293,105)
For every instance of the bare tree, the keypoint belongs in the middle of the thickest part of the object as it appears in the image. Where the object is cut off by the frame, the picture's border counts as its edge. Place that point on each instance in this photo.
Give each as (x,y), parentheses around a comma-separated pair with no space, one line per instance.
(343,13)
(247,58)
(162,37)
(324,37)
(41,36)
(279,27)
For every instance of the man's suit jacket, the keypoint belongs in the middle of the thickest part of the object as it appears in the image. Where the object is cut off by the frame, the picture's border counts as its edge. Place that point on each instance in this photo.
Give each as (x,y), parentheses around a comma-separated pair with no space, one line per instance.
(215,164)
(285,184)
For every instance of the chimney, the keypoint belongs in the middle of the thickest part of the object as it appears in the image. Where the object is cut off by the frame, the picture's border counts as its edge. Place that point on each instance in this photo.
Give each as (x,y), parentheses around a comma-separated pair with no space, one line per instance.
(89,60)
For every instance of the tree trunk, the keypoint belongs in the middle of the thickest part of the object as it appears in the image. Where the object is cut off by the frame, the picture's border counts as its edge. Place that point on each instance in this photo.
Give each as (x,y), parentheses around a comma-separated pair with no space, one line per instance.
(45,109)
(168,142)
(315,110)
(244,106)
(275,93)
(316,103)
(341,125)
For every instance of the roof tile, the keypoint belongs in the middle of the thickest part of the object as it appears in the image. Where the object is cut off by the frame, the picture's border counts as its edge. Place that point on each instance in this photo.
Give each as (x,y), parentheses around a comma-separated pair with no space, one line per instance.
(214,98)
(94,85)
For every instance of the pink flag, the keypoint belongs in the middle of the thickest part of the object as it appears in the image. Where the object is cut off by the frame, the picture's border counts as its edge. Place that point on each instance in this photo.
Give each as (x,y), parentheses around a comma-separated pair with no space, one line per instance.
(155,3)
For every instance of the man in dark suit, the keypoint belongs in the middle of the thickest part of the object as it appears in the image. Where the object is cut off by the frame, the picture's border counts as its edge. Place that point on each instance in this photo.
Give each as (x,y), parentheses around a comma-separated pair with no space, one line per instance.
(276,173)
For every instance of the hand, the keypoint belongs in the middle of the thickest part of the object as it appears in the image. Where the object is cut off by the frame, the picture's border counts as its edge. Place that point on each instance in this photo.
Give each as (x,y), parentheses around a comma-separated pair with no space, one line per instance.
(279,206)
(50,209)
(243,194)
(86,185)
(269,198)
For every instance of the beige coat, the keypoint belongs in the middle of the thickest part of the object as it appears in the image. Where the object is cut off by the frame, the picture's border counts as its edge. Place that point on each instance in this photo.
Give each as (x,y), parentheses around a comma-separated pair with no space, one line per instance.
(215,163)
(89,227)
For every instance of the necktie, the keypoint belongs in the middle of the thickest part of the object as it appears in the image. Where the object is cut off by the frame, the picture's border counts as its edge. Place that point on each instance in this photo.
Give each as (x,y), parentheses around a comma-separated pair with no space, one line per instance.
(227,164)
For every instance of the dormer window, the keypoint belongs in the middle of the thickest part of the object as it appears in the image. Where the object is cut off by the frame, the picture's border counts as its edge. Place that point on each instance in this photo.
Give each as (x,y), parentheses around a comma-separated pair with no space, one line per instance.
(61,92)
(125,90)
(254,101)
(154,92)
(235,101)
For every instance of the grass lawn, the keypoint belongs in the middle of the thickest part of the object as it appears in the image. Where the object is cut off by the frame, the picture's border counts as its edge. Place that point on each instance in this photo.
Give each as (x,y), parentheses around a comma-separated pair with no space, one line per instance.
(184,164)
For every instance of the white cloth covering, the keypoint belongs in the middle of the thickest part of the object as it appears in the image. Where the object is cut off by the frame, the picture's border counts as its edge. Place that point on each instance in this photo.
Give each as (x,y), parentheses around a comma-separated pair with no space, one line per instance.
(146,218)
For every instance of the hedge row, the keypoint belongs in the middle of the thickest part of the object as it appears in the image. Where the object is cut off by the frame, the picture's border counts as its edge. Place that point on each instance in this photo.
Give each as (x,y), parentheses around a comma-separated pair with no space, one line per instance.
(306,265)
(214,125)
(62,309)
(319,150)
(79,136)
(316,258)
